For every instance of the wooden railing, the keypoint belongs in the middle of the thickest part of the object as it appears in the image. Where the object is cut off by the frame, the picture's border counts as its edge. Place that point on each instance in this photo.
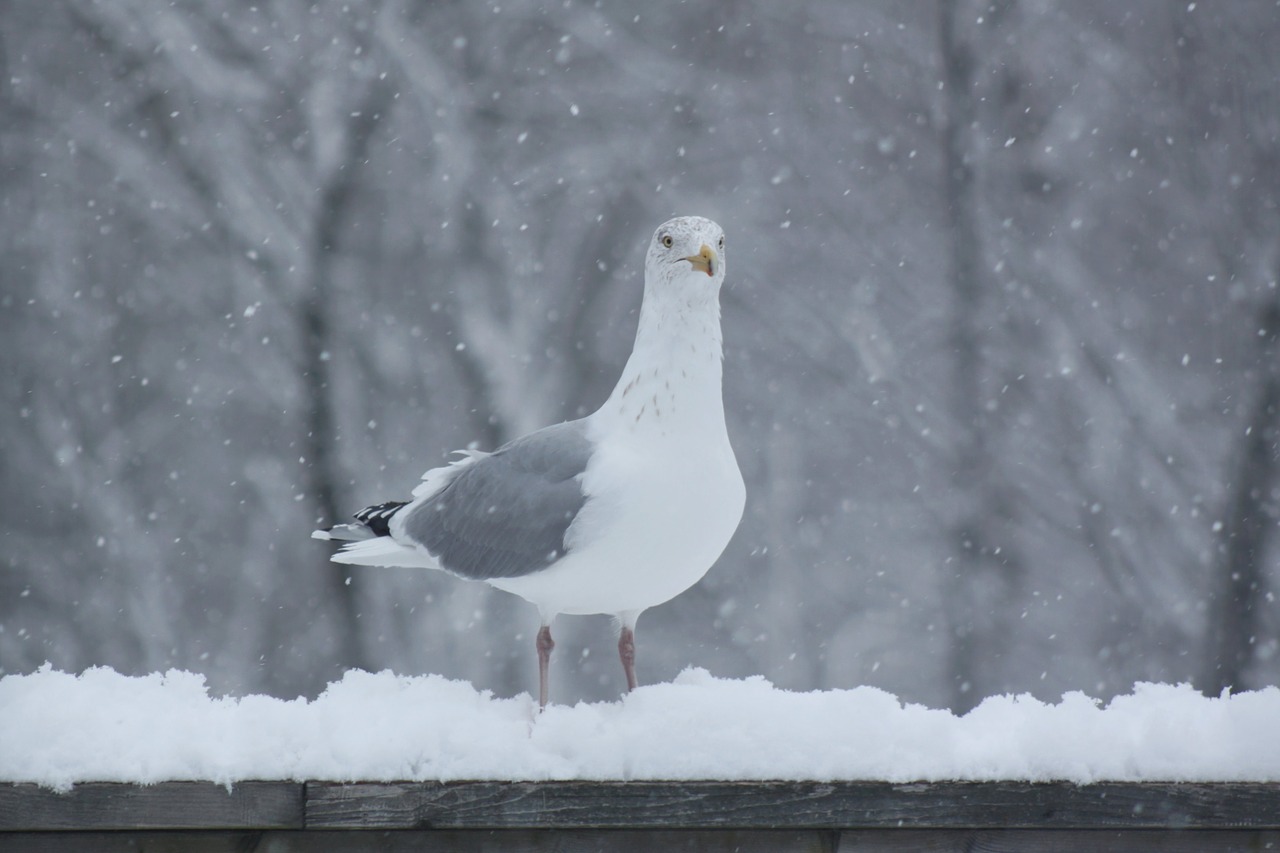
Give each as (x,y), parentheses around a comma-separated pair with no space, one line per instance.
(842,817)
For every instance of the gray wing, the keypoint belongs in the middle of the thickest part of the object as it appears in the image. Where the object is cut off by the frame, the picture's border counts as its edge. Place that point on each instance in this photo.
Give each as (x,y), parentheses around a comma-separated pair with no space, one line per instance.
(506,515)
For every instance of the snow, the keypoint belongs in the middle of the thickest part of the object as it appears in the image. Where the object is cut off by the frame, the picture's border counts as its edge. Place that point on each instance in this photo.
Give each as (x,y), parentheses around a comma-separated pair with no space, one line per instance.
(59,728)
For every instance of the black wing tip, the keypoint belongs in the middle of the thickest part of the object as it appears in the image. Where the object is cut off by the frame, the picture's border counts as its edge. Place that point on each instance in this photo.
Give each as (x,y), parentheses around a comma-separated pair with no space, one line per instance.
(378,517)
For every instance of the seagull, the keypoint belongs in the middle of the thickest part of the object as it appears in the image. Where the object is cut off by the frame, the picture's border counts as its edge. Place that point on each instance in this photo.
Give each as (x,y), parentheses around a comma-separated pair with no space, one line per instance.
(612,513)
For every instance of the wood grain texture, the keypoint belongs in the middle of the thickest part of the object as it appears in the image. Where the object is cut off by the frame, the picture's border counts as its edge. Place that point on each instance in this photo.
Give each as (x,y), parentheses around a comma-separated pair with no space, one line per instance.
(644,841)
(423,841)
(752,805)
(170,805)
(643,806)
(1057,841)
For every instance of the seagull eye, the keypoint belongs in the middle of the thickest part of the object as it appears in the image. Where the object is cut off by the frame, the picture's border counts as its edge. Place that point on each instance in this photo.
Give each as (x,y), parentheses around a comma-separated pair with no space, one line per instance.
(722,244)
(666,240)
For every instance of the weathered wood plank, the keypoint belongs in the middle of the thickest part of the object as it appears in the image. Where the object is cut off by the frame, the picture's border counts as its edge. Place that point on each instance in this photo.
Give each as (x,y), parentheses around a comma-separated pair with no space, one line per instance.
(1057,841)
(169,805)
(798,805)
(641,806)
(646,841)
(425,841)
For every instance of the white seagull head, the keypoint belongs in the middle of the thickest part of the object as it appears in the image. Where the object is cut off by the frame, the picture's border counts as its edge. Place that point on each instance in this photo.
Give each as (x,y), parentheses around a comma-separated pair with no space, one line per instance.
(687,254)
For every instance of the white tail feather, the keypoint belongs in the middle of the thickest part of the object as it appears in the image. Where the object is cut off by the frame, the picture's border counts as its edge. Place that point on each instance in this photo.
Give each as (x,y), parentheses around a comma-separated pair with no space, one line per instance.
(384,551)
(344,533)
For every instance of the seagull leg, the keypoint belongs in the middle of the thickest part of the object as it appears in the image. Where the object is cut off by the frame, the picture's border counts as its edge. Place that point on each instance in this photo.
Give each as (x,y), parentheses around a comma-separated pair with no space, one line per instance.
(627,653)
(545,645)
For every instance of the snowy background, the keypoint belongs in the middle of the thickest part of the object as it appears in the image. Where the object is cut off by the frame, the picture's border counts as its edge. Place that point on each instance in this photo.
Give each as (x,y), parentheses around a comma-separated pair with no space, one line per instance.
(1001,363)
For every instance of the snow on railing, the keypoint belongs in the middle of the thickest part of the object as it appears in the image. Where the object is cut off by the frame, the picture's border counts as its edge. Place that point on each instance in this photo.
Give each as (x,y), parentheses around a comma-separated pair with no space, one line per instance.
(106,762)
(59,729)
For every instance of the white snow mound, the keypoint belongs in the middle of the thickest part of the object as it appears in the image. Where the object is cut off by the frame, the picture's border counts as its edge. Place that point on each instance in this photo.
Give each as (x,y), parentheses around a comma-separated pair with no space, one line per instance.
(57,729)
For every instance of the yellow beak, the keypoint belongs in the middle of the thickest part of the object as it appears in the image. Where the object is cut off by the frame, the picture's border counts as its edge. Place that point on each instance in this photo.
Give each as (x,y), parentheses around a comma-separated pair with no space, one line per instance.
(705,260)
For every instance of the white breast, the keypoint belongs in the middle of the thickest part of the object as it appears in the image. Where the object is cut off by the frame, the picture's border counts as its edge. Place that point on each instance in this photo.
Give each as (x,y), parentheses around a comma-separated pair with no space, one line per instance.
(664,498)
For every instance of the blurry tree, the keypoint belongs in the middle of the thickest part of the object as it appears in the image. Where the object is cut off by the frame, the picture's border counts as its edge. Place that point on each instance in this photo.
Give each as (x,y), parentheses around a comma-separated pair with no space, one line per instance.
(193,100)
(983,568)
(1224,82)
(1242,585)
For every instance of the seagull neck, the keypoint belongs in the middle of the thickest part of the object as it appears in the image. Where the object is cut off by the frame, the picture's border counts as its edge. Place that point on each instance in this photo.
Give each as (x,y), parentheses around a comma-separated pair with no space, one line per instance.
(675,371)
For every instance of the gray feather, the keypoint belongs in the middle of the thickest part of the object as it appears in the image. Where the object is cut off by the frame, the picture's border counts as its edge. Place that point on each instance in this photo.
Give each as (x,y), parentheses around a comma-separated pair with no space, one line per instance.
(506,515)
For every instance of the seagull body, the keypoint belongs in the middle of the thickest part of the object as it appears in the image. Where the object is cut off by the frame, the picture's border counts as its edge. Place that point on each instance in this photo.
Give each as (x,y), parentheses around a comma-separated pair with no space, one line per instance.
(613,513)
